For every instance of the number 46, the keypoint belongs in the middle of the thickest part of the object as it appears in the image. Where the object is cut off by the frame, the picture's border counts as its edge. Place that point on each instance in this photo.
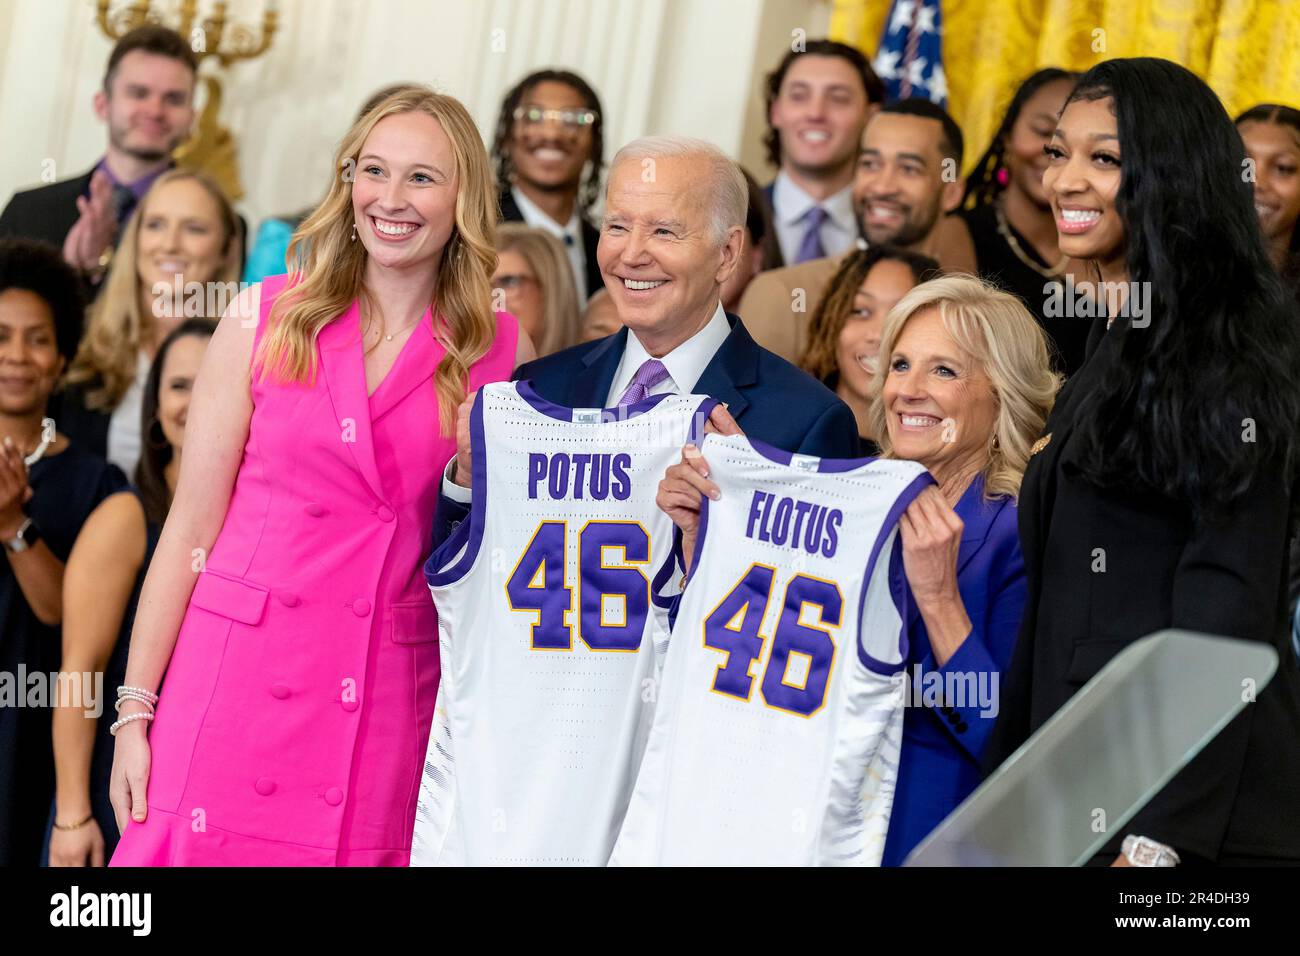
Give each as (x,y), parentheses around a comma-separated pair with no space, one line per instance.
(537,585)
(734,628)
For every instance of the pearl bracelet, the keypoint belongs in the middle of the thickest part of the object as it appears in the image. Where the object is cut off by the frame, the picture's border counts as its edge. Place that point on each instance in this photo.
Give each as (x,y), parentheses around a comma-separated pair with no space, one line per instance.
(138,692)
(131,695)
(123,721)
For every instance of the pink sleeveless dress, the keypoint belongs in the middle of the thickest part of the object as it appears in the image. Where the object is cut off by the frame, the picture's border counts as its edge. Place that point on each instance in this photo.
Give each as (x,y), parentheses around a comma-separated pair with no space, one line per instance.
(295,712)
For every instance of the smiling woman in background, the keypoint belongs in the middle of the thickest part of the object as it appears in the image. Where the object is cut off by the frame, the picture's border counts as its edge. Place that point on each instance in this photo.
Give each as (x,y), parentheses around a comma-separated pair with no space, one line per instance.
(184,231)
(1008,216)
(844,332)
(1271,134)
(536,283)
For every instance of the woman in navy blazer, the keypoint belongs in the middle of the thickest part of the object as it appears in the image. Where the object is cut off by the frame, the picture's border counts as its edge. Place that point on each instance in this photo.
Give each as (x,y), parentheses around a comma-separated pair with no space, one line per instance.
(964,388)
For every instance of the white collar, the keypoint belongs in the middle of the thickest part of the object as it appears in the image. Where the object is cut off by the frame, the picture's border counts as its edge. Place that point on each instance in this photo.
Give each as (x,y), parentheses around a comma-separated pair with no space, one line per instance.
(685,364)
(790,203)
(539,219)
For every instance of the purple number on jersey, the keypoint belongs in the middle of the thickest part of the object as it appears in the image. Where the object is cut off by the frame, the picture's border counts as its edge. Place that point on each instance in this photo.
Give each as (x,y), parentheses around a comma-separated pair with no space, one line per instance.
(626,585)
(804,691)
(549,598)
(740,639)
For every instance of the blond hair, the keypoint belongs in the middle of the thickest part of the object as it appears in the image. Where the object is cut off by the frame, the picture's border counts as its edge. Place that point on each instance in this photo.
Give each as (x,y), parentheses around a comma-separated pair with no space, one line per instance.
(996,330)
(327,267)
(550,263)
(116,327)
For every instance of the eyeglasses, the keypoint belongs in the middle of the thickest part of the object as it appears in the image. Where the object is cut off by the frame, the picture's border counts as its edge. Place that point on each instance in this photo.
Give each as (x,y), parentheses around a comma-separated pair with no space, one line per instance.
(571,119)
(511,283)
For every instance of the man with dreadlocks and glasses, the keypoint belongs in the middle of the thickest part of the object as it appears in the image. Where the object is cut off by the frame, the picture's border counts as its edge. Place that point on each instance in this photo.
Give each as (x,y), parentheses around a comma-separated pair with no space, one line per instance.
(548,149)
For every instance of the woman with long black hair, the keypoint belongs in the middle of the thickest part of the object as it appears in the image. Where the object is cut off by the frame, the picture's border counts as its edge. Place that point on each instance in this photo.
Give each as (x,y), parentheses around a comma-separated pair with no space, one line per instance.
(1160,493)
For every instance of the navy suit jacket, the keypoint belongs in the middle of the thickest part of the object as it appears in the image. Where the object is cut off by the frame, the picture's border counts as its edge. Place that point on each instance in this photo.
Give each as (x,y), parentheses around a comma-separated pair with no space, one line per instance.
(944,737)
(769,398)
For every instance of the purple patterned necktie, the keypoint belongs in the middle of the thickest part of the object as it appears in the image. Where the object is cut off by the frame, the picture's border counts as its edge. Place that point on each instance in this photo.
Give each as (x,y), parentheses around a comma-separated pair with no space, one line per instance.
(810,247)
(650,374)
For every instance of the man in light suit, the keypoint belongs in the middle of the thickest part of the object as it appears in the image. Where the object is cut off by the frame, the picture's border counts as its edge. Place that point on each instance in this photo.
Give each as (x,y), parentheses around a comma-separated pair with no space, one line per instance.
(908,178)
(673,227)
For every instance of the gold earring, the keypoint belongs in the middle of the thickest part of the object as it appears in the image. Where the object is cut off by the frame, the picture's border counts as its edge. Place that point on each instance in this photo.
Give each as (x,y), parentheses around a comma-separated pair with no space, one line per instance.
(354,231)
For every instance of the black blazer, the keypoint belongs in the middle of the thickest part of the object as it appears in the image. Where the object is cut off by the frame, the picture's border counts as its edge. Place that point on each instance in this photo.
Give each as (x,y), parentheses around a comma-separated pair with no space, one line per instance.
(510,212)
(769,398)
(49,212)
(1238,799)
(45,212)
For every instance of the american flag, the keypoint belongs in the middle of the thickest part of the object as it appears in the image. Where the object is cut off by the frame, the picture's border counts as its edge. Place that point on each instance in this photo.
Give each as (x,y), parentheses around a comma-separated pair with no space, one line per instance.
(910,58)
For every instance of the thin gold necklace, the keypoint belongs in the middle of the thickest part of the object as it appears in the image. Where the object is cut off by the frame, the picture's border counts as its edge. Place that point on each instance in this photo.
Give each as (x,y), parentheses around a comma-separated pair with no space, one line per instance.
(1005,231)
(388,336)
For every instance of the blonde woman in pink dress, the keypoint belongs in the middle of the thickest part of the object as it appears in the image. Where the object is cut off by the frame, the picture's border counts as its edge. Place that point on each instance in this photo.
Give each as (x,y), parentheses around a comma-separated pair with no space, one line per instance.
(285,605)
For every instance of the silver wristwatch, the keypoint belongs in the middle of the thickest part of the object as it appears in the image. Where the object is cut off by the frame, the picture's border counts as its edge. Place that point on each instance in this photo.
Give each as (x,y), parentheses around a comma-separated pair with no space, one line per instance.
(22,539)
(1141,851)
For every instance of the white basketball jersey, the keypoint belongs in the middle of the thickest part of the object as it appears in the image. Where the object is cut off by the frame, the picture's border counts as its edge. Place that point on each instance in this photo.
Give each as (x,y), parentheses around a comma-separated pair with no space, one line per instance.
(547,619)
(777,731)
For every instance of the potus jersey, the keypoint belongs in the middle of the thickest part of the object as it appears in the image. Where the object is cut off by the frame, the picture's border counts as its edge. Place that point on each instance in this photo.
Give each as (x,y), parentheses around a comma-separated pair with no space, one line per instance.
(777,732)
(550,600)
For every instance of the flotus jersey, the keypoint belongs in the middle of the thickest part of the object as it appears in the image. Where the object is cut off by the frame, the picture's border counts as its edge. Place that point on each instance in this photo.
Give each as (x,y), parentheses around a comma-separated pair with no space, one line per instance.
(777,732)
(547,619)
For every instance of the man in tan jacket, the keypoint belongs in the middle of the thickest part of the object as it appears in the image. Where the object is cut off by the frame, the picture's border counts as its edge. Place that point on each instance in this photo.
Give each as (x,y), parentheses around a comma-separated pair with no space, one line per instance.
(908,178)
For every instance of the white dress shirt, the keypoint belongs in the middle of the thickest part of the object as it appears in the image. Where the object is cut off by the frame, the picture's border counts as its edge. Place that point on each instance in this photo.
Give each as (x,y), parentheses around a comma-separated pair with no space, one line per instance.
(570,237)
(124,438)
(685,365)
(789,206)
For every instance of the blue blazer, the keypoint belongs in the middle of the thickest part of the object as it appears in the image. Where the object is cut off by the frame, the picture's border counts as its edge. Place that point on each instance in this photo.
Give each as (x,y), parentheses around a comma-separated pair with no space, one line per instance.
(944,737)
(769,398)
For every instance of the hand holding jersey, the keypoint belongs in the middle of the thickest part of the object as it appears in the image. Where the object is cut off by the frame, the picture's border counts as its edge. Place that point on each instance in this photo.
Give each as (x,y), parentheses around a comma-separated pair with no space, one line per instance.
(548,619)
(777,731)
(685,482)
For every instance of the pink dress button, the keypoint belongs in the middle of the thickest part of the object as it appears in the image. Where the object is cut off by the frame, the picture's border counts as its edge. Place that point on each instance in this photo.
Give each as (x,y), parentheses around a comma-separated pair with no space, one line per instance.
(279,691)
(287,599)
(361,608)
(313,509)
(385,513)
(333,796)
(265,786)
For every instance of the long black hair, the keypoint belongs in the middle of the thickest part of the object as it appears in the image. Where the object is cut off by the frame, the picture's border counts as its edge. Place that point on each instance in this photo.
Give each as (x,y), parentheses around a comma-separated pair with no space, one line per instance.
(155,450)
(589,191)
(982,185)
(1288,116)
(1175,414)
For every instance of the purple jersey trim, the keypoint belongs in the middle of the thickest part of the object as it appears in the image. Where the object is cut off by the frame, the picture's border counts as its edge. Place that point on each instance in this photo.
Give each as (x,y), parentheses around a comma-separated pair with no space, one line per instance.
(919,483)
(563,413)
(471,529)
(665,574)
(825,466)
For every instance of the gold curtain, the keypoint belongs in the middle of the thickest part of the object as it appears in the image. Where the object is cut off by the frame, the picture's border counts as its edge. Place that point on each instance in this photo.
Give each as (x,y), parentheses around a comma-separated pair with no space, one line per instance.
(1247,50)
